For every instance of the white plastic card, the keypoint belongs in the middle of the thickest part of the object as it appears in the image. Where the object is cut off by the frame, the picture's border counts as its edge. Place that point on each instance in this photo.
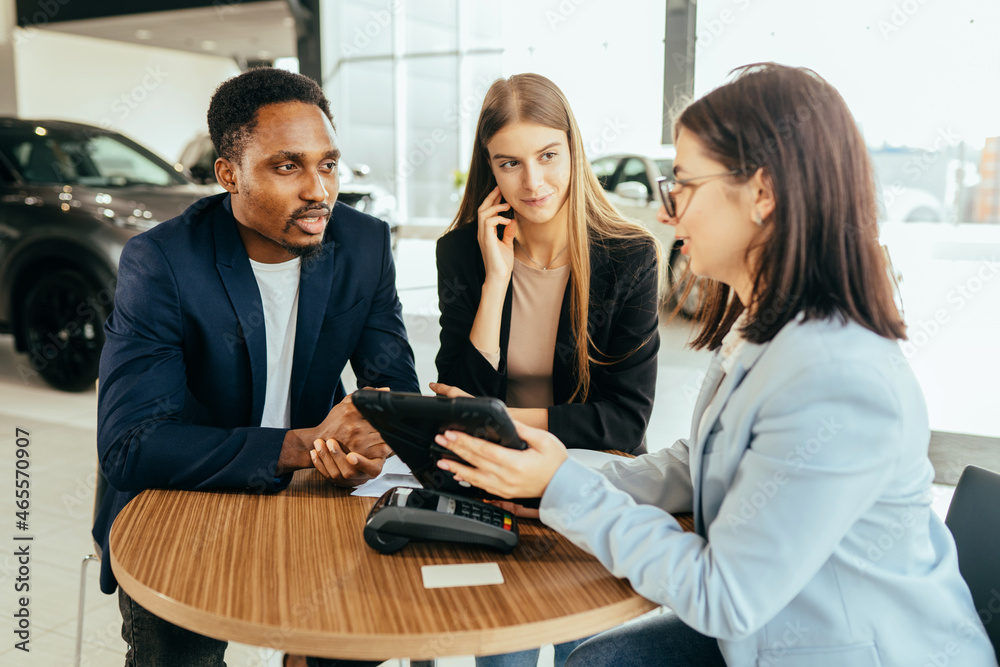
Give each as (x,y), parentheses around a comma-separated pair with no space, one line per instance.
(466,574)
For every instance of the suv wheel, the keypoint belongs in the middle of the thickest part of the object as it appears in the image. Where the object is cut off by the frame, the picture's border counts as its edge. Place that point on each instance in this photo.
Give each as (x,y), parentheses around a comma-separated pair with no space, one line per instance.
(64,329)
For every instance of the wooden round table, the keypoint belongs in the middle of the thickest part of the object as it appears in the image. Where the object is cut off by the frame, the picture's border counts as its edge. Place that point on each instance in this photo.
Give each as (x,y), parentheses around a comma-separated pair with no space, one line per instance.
(292,571)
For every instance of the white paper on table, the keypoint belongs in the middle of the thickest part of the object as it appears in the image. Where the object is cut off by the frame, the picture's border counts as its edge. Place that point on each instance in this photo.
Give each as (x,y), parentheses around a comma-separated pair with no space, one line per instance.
(394,473)
(395,466)
(591,458)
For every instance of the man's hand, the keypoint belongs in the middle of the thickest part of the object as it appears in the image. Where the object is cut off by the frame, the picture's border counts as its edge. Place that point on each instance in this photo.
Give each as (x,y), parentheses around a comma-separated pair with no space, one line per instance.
(352,431)
(343,424)
(342,468)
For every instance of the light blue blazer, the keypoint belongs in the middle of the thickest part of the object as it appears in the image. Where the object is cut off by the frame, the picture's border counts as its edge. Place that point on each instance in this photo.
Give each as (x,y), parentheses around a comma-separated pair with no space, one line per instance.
(814,544)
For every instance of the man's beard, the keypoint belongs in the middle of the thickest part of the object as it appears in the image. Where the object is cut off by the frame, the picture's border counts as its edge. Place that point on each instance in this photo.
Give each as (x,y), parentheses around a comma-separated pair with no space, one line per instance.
(306,252)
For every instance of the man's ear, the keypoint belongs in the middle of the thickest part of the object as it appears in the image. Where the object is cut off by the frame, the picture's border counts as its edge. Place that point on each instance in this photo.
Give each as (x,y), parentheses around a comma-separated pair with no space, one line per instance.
(763,192)
(225,174)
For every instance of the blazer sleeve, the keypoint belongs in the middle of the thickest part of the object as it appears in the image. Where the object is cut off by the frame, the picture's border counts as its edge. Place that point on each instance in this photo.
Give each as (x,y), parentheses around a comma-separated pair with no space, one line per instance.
(661,478)
(142,439)
(750,566)
(383,357)
(618,408)
(460,289)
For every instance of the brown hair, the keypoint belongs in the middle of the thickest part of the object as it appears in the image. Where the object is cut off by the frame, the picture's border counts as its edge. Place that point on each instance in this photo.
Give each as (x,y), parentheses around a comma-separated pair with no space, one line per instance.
(592,218)
(820,253)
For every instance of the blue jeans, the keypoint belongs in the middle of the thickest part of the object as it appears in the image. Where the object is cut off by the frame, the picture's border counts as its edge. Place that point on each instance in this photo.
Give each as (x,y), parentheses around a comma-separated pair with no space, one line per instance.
(153,642)
(660,640)
(528,658)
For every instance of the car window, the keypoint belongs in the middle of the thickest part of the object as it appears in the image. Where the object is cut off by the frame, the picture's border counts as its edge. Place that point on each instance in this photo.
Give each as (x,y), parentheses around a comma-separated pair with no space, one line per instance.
(120,165)
(634,171)
(77,158)
(665,167)
(199,157)
(5,174)
(604,169)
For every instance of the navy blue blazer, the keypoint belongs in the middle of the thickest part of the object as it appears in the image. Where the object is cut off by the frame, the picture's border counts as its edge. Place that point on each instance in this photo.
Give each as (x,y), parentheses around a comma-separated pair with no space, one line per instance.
(184,369)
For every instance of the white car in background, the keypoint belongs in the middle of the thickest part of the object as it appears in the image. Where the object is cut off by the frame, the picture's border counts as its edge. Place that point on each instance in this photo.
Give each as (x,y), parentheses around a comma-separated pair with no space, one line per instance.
(630,182)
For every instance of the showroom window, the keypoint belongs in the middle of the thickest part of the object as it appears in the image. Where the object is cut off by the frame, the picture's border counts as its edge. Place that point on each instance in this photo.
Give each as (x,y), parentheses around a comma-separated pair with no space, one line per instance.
(406,81)
(920,78)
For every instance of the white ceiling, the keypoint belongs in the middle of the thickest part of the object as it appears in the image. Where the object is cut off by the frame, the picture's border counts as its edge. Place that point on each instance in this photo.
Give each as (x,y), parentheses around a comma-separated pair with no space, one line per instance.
(242,31)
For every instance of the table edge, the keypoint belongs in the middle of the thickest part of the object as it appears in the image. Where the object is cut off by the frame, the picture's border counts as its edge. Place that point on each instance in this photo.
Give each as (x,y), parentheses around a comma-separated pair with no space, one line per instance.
(359,646)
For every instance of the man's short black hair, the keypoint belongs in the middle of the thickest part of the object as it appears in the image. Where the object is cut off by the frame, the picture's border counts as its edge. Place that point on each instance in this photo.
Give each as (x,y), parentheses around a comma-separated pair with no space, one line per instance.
(232,113)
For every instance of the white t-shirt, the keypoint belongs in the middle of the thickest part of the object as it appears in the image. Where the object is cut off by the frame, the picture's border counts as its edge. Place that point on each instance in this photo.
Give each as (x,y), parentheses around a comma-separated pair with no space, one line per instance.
(279,293)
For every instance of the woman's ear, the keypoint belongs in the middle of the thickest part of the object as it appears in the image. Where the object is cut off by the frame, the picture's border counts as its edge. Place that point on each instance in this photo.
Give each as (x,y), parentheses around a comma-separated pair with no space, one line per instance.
(763,195)
(225,174)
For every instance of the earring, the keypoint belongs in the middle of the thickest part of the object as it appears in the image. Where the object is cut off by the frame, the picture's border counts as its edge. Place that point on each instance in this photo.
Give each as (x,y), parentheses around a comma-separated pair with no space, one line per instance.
(757,220)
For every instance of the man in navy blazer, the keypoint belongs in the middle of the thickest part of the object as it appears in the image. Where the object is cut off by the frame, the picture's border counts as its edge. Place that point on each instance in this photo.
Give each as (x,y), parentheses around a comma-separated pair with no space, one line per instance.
(232,325)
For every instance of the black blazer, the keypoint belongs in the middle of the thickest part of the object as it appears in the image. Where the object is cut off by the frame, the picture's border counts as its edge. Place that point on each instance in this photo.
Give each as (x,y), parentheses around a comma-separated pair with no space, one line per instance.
(184,368)
(622,324)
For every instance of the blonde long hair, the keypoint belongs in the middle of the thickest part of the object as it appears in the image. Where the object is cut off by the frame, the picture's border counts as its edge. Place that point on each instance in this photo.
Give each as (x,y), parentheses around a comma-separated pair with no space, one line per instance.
(592,218)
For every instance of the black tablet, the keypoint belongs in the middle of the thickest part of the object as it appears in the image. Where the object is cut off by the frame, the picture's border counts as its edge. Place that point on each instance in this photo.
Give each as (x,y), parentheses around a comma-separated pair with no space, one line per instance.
(409,422)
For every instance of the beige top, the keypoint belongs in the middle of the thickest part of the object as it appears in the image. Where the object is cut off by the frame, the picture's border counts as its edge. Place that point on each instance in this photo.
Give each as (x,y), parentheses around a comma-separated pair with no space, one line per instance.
(534,321)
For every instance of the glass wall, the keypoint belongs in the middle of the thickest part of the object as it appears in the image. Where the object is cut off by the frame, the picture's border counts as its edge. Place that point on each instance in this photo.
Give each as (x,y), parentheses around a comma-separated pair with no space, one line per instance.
(407,80)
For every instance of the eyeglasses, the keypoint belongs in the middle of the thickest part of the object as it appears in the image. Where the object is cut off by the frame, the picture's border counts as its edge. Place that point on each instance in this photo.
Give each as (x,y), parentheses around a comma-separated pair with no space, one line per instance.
(668,185)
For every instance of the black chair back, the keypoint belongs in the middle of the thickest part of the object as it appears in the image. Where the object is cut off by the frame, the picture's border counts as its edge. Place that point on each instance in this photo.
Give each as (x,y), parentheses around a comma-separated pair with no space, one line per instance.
(974,520)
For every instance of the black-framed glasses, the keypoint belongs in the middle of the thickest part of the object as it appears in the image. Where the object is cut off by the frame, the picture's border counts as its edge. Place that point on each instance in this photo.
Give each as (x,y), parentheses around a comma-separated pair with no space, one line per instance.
(667,187)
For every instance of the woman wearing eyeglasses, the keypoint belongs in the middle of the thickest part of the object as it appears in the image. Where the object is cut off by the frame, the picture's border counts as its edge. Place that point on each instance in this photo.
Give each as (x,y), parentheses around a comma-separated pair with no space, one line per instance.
(548,296)
(806,468)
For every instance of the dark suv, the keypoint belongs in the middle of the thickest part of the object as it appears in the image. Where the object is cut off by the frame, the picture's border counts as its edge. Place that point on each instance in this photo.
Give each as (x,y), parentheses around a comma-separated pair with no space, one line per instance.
(71,195)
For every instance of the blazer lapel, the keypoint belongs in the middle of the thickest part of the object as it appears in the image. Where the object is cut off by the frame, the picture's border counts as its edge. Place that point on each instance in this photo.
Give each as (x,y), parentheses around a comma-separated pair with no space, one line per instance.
(711,402)
(237,276)
(564,355)
(709,386)
(315,283)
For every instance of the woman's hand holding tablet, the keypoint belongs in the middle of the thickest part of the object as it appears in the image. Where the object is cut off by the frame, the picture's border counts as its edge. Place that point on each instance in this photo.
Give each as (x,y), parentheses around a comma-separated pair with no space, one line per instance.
(502,471)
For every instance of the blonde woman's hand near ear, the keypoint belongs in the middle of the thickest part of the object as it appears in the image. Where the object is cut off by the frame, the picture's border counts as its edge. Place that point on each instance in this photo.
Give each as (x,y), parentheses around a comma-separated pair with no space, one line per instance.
(498,255)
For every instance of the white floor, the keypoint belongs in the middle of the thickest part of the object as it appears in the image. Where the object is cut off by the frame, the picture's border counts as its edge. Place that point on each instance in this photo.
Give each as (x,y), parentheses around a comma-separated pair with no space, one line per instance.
(62,454)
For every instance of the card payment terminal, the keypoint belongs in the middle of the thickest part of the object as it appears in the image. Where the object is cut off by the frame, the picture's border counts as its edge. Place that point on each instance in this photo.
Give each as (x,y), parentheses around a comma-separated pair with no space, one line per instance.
(403,514)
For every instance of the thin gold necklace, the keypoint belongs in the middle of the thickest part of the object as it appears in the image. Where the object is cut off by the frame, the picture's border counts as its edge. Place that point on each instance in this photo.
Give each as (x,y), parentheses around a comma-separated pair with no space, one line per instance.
(543,268)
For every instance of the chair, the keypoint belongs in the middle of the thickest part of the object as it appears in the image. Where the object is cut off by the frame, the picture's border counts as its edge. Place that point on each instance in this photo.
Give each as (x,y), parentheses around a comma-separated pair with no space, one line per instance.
(100,488)
(974,521)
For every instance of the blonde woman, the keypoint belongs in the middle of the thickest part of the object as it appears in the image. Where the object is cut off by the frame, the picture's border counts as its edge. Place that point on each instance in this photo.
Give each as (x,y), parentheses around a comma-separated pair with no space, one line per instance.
(548,296)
